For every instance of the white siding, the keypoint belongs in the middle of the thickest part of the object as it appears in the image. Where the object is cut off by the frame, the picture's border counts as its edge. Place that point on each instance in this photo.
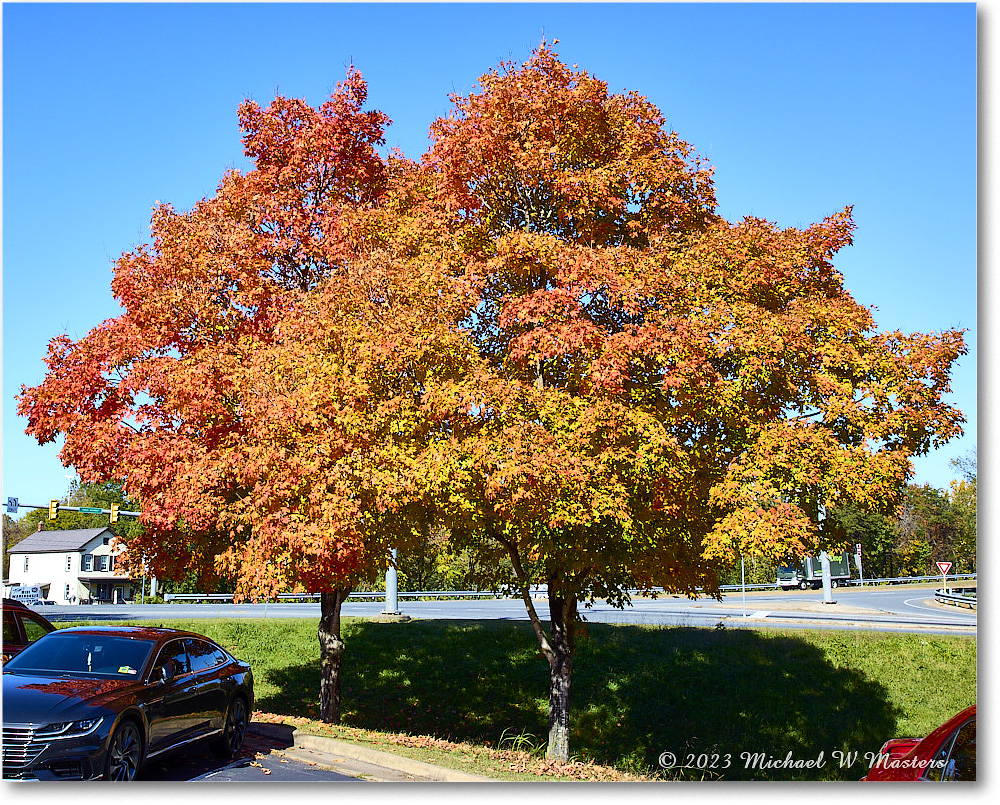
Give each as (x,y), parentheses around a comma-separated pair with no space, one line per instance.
(49,570)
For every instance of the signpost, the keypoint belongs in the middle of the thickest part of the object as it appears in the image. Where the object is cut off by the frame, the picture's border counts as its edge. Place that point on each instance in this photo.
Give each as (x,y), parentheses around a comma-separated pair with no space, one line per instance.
(861,570)
(944,567)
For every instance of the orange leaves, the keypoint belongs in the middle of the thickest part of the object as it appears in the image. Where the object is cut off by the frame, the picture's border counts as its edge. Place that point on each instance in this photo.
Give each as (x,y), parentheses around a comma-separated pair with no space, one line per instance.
(545,148)
(770,534)
(541,334)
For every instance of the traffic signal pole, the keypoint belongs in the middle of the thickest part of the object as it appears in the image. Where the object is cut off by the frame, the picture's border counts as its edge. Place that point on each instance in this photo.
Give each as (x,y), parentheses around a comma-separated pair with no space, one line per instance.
(54,507)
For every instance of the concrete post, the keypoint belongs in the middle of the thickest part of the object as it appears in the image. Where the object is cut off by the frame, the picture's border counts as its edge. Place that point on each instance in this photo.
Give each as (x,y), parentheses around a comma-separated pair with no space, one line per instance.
(391,588)
(824,561)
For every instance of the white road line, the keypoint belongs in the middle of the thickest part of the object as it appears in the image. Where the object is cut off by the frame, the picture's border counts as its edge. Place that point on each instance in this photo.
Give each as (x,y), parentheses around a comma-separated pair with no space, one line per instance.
(909,602)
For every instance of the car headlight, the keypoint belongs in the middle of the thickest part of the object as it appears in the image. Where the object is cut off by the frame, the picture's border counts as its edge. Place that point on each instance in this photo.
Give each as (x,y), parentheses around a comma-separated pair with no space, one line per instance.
(68,729)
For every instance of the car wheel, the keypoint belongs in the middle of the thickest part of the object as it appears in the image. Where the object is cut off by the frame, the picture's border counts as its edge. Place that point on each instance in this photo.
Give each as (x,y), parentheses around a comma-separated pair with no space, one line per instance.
(803,585)
(237,718)
(834,584)
(124,752)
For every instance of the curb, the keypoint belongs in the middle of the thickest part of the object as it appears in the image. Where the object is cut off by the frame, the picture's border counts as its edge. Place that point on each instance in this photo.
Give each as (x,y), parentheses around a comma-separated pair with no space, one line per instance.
(375,757)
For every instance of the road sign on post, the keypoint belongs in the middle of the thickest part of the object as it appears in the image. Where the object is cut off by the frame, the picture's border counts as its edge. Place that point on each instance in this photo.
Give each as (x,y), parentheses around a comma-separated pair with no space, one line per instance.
(944,567)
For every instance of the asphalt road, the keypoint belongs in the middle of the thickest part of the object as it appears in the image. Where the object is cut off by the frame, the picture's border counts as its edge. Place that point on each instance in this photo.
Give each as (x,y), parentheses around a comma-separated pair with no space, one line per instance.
(908,608)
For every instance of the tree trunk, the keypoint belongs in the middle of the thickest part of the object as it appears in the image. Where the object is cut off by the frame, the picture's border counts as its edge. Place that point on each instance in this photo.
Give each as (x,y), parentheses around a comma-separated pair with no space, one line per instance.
(562,629)
(557,648)
(331,647)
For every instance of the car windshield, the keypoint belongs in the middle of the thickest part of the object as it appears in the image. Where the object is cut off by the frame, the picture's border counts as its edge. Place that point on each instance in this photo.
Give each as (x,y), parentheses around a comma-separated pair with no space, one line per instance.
(83,654)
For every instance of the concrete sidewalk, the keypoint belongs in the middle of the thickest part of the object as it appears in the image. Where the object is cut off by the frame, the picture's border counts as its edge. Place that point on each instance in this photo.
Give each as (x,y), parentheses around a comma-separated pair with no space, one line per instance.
(358,761)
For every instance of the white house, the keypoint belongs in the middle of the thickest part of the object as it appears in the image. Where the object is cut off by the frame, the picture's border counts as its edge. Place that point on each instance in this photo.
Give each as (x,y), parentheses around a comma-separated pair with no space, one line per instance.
(71,566)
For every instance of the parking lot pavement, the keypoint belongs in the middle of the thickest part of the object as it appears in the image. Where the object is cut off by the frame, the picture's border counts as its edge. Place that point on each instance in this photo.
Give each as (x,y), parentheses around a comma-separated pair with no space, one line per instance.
(275,767)
(262,757)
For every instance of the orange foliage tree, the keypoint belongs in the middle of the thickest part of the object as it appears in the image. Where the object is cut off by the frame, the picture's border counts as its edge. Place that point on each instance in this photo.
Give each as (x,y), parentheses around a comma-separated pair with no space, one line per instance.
(663,389)
(542,336)
(193,395)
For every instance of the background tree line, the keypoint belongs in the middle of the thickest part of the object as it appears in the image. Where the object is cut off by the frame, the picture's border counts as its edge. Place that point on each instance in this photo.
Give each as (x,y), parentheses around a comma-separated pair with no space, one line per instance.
(930,525)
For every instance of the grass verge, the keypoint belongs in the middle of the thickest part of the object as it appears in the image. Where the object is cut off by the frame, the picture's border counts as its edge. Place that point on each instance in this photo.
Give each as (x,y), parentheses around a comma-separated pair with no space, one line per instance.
(472,695)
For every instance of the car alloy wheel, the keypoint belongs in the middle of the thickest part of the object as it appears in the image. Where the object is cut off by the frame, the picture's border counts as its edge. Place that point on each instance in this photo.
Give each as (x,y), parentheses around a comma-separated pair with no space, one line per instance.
(229,743)
(124,753)
(236,724)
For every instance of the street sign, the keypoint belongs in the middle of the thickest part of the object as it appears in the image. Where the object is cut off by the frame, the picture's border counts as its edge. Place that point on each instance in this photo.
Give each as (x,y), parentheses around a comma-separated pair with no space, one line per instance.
(857,548)
(11,505)
(944,567)
(90,510)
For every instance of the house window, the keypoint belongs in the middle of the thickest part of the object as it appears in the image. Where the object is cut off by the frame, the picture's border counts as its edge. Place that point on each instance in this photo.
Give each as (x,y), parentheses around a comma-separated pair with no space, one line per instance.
(104,564)
(26,563)
(69,562)
(87,562)
(66,594)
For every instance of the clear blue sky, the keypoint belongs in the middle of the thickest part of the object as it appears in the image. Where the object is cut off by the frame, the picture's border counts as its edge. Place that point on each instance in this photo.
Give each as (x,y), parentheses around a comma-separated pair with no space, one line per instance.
(802,109)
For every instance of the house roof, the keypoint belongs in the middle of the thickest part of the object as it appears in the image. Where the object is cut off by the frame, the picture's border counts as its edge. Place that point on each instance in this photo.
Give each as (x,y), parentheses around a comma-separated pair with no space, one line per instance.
(57,541)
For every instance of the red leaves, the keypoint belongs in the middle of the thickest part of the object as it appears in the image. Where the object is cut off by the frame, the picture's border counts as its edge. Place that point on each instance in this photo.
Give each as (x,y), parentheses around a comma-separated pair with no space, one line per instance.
(542,147)
(541,334)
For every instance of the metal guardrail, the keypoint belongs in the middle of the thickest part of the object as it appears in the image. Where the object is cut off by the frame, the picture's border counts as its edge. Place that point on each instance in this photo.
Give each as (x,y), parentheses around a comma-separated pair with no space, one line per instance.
(302,597)
(536,590)
(955,598)
(913,579)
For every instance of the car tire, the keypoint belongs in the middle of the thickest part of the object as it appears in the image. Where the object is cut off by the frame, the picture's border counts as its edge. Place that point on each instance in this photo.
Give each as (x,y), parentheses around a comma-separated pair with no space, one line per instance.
(124,755)
(804,585)
(237,719)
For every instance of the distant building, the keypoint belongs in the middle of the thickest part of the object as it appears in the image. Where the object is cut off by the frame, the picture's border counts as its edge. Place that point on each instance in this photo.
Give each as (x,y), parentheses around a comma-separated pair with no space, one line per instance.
(73,566)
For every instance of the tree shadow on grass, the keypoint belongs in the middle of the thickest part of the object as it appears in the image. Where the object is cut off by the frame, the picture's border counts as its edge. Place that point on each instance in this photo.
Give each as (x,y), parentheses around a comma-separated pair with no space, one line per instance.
(725,697)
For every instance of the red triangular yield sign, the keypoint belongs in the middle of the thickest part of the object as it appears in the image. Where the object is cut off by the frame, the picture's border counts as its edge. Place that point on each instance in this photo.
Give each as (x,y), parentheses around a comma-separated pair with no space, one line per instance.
(944,567)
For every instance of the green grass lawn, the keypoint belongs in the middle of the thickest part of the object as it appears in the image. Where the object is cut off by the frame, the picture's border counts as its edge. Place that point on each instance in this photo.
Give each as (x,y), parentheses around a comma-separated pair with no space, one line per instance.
(637,691)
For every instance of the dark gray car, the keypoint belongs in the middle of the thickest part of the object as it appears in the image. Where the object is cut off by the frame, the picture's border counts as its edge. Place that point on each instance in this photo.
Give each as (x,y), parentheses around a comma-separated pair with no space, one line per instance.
(97,702)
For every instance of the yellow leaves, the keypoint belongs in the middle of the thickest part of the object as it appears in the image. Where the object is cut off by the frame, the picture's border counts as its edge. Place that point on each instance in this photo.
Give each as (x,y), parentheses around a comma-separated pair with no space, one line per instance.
(769,534)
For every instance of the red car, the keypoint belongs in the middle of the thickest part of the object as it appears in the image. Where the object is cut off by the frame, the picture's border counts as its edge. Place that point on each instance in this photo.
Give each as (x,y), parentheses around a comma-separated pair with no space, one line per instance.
(948,753)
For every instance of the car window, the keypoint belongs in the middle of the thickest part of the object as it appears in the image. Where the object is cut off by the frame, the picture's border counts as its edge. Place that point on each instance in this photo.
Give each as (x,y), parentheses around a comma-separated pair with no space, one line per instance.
(962,763)
(102,655)
(172,656)
(204,655)
(11,634)
(956,757)
(34,626)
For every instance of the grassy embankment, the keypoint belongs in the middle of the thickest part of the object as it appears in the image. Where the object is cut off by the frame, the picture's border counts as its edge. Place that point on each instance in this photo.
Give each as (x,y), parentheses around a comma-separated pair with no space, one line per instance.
(472,695)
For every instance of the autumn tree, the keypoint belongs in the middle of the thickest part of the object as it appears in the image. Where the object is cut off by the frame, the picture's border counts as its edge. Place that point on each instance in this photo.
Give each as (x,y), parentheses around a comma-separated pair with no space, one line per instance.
(874,531)
(542,337)
(175,395)
(962,496)
(665,390)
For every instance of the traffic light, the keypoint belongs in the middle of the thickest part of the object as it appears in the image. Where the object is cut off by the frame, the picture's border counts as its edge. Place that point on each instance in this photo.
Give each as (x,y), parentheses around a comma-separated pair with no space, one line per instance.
(53,509)
(114,512)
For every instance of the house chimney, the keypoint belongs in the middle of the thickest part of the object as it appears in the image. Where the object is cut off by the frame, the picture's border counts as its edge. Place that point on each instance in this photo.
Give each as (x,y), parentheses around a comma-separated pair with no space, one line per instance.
(41,526)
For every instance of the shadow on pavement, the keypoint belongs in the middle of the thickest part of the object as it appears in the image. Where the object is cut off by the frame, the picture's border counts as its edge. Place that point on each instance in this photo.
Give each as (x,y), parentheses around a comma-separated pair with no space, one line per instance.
(197,760)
